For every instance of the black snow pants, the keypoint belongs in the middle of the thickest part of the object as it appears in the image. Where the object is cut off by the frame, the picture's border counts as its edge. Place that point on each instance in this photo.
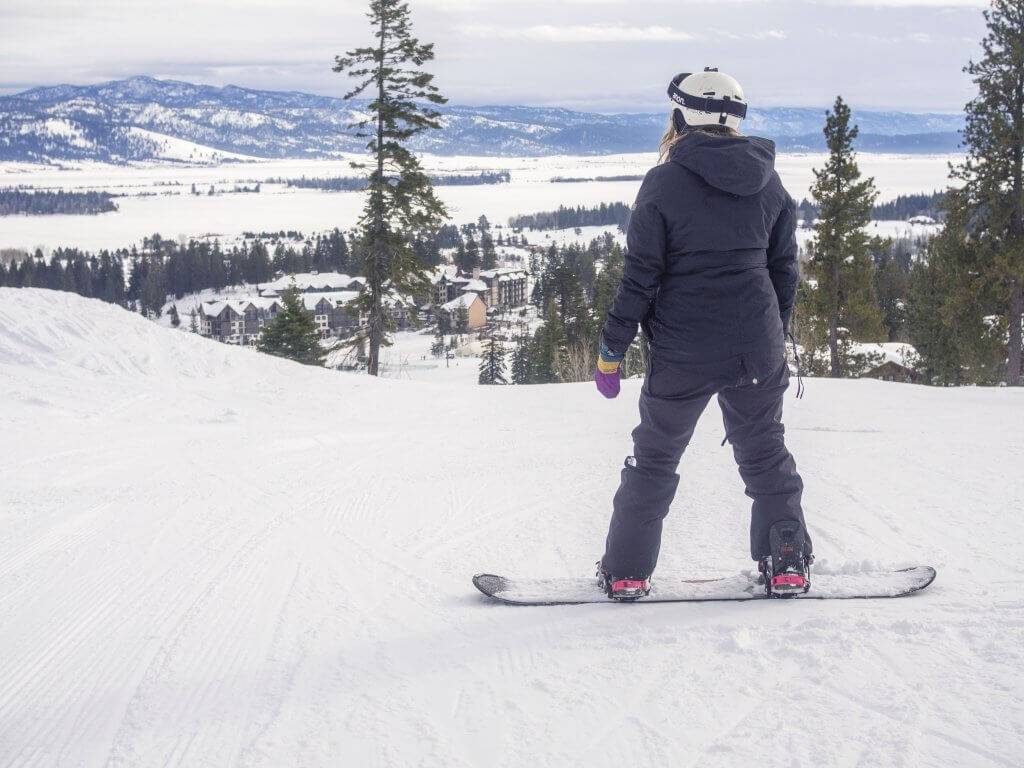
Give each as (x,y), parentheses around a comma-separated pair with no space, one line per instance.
(673,398)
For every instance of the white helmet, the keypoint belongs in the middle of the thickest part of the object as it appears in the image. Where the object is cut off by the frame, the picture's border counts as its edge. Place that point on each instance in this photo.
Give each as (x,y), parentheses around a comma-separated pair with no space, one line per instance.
(706,98)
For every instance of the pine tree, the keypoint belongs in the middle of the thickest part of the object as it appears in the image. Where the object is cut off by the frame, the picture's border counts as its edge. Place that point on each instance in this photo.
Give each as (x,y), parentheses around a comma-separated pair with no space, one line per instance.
(522,369)
(488,254)
(193,325)
(437,348)
(549,345)
(891,281)
(993,172)
(461,319)
(492,365)
(293,333)
(401,202)
(175,319)
(948,307)
(472,260)
(153,288)
(840,257)
(606,285)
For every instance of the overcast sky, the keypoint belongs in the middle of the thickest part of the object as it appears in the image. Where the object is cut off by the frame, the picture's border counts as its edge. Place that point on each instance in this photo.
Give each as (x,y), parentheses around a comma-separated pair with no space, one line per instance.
(587,54)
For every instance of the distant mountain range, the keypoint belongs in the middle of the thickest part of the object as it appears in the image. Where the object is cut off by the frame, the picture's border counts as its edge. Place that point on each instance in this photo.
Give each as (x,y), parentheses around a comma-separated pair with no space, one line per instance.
(143,118)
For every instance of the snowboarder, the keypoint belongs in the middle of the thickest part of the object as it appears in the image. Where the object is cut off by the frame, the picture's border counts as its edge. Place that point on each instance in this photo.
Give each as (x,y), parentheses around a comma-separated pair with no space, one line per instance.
(711,276)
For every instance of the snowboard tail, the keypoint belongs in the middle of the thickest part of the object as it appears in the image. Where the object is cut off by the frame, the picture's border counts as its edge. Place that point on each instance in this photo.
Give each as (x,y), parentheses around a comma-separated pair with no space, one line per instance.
(742,587)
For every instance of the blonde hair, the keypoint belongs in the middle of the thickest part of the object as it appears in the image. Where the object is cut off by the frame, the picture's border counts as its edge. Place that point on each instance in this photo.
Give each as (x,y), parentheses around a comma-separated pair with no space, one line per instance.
(672,136)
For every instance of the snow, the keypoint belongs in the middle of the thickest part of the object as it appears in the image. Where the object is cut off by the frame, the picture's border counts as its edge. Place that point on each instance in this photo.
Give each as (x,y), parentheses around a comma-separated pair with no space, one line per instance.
(173,148)
(462,301)
(173,212)
(213,557)
(888,352)
(320,281)
(337,298)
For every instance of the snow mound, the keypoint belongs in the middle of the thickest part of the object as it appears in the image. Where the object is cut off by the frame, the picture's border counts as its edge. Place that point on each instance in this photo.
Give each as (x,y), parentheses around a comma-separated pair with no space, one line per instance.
(213,557)
(57,331)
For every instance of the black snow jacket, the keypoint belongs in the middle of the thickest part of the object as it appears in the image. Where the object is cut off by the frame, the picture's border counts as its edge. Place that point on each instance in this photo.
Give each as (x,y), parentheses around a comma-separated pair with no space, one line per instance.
(711,264)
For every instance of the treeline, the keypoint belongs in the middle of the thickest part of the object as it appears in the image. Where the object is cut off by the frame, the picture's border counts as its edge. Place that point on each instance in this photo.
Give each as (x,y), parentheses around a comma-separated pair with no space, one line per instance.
(41,203)
(904,207)
(603,215)
(99,276)
(908,206)
(580,179)
(358,184)
(574,287)
(167,268)
(963,302)
(163,268)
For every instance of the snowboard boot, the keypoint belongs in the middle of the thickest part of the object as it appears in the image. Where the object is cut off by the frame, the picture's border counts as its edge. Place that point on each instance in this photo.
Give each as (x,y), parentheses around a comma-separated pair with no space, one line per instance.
(787,571)
(622,589)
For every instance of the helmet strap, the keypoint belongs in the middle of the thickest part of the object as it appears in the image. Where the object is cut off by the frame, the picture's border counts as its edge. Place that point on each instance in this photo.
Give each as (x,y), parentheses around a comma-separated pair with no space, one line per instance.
(678,120)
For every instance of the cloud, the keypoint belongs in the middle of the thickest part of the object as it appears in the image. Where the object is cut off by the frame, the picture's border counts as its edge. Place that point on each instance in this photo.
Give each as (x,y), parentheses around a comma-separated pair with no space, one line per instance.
(911,3)
(492,51)
(592,33)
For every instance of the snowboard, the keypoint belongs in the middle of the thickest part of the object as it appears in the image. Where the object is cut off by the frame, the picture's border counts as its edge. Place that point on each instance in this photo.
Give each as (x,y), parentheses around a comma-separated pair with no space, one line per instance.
(741,587)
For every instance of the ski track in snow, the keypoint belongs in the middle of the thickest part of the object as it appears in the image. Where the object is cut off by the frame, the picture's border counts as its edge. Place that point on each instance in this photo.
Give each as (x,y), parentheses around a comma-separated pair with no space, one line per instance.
(209,557)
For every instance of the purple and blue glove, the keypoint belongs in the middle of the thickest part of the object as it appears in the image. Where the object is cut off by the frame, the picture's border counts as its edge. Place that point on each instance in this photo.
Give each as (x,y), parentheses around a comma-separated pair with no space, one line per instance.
(607,374)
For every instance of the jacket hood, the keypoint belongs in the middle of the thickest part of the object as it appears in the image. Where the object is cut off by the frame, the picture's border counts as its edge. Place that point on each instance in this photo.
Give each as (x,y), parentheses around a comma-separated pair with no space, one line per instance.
(739,165)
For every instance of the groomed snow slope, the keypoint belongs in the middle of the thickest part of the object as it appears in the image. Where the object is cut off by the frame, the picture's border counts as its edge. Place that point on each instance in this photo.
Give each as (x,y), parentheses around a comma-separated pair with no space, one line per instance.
(209,557)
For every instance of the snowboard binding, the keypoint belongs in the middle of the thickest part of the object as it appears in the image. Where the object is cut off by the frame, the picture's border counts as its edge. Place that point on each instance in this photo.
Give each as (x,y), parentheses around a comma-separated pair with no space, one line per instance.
(623,590)
(787,571)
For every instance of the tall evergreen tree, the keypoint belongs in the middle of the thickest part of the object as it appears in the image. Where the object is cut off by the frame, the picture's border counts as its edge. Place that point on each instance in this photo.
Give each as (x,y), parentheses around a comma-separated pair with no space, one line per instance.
(472,254)
(891,281)
(461,319)
(521,361)
(993,172)
(492,365)
(401,202)
(948,317)
(840,258)
(606,284)
(293,333)
(488,253)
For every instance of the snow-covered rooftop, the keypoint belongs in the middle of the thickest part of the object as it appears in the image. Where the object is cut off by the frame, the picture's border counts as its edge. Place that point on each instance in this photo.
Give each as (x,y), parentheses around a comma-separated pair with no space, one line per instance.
(465,300)
(337,298)
(318,281)
(503,273)
(214,308)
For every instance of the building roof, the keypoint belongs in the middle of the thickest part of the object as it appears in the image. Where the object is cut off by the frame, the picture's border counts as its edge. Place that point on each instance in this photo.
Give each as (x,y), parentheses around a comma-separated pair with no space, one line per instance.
(465,300)
(336,298)
(315,281)
(214,308)
(444,272)
(474,285)
(503,273)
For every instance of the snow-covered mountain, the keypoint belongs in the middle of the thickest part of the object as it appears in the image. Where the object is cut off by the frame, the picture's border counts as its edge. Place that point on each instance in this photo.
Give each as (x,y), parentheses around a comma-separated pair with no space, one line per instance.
(143,118)
(211,557)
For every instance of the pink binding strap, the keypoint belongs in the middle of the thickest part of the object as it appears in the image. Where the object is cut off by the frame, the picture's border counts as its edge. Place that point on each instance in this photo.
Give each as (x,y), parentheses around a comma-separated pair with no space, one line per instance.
(788,580)
(624,584)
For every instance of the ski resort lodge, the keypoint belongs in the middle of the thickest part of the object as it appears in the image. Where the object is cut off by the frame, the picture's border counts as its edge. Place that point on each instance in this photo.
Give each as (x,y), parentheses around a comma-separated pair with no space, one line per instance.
(328,297)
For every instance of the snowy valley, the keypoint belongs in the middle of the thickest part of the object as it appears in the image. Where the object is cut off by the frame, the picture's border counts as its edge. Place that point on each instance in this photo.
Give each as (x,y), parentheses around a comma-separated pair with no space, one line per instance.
(157,197)
(210,556)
